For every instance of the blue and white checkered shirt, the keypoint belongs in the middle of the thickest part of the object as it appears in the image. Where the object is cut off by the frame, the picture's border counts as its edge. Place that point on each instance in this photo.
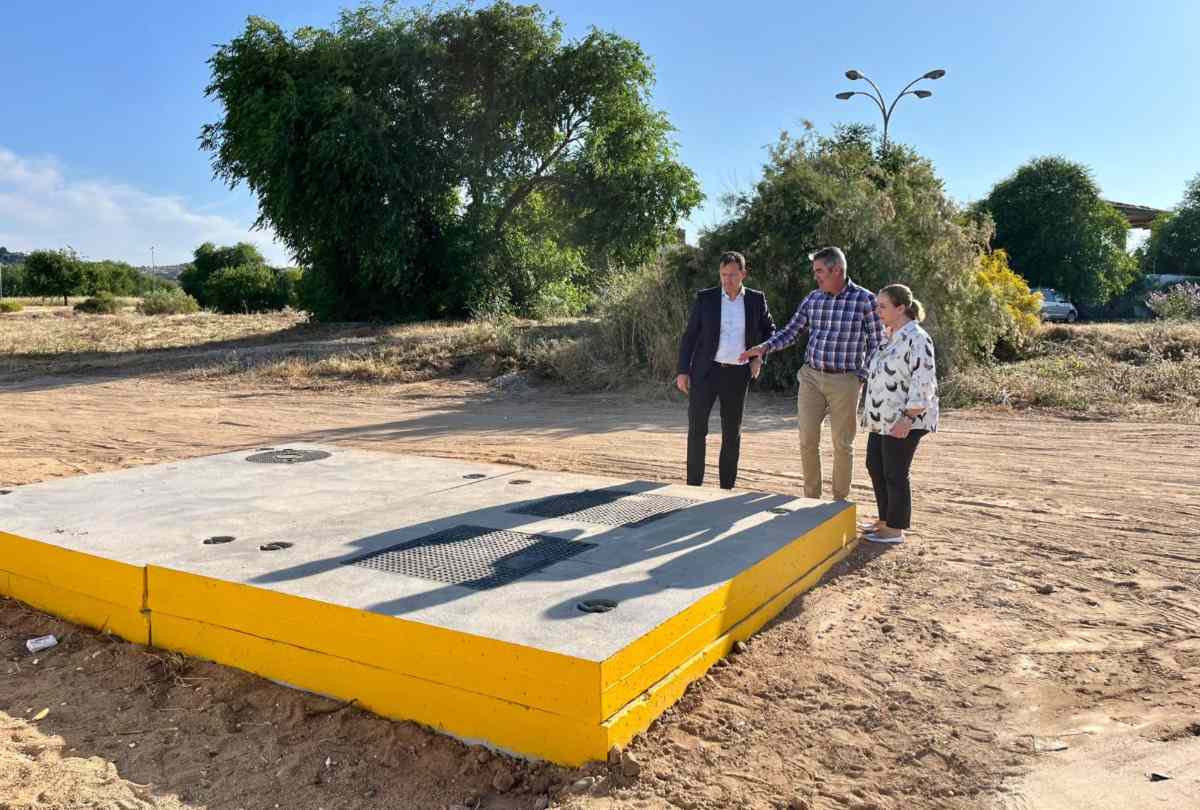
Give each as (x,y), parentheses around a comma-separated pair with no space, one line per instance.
(843,330)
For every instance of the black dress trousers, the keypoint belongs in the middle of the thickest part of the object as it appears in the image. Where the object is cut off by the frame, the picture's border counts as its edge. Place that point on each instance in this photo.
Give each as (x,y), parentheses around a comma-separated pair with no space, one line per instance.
(728,384)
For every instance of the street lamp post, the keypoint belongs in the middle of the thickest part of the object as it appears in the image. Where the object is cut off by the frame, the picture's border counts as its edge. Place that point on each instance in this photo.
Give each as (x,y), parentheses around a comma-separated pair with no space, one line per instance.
(886,109)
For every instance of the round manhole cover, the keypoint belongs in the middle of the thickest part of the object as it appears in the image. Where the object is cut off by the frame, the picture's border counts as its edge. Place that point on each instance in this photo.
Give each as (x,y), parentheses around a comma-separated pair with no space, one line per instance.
(519,481)
(474,476)
(287,456)
(278,545)
(779,510)
(218,539)
(596,605)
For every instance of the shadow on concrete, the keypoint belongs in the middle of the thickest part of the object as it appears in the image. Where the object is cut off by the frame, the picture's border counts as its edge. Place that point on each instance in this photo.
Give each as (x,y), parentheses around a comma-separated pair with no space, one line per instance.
(687,550)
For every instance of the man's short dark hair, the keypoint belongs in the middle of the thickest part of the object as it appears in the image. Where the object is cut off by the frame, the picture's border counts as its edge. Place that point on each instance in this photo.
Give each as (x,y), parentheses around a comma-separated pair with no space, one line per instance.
(733,257)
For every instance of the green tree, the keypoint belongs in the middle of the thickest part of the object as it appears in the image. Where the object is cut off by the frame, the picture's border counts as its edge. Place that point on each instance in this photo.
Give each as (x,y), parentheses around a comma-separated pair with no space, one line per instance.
(208,259)
(14,281)
(889,212)
(400,154)
(1058,233)
(54,272)
(246,288)
(1174,244)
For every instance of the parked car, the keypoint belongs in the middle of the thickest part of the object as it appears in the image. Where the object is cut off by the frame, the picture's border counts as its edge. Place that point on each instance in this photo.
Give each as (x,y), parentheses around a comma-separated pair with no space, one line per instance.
(1056,306)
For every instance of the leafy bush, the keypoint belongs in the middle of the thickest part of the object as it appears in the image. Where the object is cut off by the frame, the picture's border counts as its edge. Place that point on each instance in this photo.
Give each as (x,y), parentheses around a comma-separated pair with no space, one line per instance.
(248,288)
(1174,245)
(642,315)
(287,285)
(1015,309)
(100,304)
(560,299)
(16,280)
(168,302)
(208,259)
(11,306)
(886,209)
(1180,302)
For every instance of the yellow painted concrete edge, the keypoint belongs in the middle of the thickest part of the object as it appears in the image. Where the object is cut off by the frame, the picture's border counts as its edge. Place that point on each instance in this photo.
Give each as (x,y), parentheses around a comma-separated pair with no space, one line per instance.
(638,715)
(536,678)
(629,672)
(82,588)
(464,714)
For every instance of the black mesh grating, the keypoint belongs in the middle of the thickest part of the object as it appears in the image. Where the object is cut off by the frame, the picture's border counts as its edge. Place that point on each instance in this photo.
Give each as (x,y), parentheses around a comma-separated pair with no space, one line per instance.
(608,507)
(472,556)
(287,456)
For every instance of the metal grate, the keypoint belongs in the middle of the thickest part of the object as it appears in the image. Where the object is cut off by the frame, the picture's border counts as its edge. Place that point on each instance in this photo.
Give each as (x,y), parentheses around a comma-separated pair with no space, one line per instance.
(287,456)
(472,556)
(608,507)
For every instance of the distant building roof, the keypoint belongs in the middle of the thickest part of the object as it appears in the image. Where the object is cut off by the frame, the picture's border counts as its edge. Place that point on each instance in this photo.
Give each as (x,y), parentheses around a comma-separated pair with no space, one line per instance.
(1138,216)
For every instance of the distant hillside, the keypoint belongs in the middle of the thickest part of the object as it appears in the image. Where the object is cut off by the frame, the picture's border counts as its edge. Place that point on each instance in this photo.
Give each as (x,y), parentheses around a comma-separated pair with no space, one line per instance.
(167,271)
(8,257)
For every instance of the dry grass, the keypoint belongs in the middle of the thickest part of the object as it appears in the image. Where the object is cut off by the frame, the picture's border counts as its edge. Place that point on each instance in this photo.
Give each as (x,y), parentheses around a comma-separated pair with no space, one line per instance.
(59,330)
(1100,370)
(1095,369)
(418,352)
(278,348)
(390,354)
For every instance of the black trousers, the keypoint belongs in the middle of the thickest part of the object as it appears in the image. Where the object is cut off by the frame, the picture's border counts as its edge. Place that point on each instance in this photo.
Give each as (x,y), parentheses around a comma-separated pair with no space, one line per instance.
(888,461)
(729,385)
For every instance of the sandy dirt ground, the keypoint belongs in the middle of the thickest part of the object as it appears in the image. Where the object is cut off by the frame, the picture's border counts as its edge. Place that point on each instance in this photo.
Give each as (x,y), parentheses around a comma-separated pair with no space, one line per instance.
(1035,644)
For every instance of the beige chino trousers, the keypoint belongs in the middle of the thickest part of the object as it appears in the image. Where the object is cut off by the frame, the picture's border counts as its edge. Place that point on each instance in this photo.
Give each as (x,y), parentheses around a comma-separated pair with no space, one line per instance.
(822,393)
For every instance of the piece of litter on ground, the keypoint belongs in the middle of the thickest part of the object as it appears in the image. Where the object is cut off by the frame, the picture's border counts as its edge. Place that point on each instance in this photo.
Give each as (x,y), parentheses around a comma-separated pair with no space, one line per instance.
(1042,745)
(1159,777)
(40,643)
(41,715)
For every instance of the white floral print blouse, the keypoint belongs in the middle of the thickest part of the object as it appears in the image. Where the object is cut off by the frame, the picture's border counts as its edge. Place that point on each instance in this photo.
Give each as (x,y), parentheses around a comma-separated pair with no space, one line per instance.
(901,375)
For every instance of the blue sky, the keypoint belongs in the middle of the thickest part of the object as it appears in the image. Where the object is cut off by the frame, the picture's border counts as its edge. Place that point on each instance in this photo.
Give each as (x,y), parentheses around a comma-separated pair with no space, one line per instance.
(101,107)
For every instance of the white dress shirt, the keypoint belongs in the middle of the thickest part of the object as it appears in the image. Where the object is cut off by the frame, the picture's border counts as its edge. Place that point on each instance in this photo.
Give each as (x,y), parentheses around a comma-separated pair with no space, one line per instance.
(733,328)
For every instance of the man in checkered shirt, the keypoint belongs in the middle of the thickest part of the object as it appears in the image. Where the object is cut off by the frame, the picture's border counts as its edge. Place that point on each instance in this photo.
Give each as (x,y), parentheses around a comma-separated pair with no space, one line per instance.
(843,331)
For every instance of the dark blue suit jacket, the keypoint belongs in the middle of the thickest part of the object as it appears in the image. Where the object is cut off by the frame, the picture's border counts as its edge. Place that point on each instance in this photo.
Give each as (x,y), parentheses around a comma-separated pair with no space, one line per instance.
(703,333)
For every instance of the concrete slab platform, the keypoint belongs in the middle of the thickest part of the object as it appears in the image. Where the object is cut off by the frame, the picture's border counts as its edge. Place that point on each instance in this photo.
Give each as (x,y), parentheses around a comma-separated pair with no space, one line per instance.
(475,627)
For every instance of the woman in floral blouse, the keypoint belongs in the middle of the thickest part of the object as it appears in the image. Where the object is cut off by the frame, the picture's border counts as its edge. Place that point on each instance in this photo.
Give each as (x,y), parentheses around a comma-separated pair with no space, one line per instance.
(899,407)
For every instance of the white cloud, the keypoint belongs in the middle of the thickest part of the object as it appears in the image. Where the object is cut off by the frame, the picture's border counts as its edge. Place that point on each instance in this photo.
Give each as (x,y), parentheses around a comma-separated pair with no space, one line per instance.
(41,207)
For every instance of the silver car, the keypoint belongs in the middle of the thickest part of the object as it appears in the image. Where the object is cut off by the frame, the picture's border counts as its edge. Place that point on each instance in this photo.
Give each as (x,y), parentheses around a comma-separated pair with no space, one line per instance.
(1056,306)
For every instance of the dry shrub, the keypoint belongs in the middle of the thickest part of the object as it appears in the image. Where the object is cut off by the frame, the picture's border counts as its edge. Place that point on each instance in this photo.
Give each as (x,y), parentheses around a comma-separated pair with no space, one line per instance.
(1104,369)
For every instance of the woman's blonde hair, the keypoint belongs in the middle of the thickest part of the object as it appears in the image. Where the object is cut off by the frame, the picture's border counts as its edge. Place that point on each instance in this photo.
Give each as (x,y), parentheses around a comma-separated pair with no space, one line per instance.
(902,296)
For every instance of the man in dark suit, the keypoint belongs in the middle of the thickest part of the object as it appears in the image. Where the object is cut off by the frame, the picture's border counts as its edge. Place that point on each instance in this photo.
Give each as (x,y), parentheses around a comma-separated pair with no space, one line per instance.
(725,321)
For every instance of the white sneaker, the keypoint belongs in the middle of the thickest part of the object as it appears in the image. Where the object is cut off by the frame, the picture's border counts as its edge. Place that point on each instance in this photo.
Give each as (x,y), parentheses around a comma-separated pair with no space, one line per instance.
(876,538)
